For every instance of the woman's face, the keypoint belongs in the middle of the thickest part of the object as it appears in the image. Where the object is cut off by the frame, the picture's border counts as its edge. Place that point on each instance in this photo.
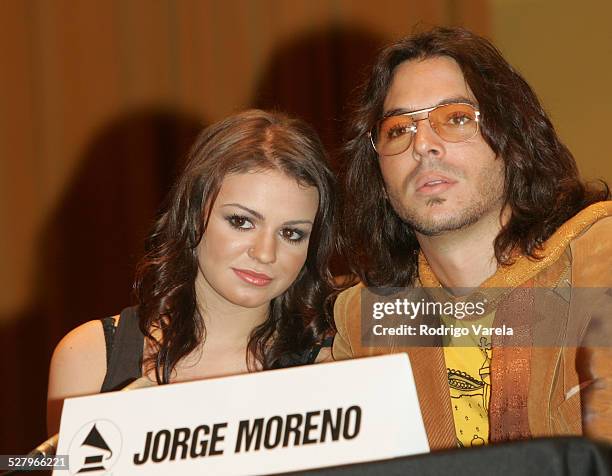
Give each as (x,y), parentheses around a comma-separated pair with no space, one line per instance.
(257,238)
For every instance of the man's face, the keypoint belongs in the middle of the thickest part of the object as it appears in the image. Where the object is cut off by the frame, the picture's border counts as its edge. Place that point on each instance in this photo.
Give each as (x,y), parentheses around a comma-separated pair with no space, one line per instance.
(438,186)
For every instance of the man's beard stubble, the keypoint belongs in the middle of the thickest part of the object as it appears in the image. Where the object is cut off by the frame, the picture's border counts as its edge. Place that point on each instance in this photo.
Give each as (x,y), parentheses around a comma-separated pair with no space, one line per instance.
(489,198)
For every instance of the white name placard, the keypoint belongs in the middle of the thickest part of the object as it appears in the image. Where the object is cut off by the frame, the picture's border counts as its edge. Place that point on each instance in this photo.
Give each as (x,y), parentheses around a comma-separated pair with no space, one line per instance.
(265,422)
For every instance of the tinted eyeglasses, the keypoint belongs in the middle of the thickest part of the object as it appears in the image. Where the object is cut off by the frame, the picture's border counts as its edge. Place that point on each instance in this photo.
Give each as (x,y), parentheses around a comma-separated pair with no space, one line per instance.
(454,122)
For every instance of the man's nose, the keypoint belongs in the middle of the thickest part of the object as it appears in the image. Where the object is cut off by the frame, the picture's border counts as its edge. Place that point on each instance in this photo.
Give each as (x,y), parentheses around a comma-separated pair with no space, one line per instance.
(427,143)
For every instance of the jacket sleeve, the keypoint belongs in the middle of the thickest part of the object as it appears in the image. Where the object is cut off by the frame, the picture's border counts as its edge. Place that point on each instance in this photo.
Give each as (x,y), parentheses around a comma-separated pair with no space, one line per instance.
(592,274)
(594,367)
(342,349)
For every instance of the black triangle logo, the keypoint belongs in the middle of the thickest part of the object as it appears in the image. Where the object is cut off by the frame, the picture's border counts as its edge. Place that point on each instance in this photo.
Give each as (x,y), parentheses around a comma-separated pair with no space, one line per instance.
(94,438)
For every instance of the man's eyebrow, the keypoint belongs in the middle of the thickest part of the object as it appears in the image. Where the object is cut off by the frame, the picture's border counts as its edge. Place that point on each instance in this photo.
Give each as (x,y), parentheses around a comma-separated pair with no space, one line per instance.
(453,100)
(259,216)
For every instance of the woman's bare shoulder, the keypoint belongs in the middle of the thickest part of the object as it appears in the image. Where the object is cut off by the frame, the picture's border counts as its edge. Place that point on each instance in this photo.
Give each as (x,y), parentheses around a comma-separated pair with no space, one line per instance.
(79,360)
(78,367)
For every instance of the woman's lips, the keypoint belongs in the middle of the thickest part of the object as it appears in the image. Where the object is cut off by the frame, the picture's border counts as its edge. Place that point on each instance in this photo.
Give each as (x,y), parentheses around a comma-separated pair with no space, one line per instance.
(251,277)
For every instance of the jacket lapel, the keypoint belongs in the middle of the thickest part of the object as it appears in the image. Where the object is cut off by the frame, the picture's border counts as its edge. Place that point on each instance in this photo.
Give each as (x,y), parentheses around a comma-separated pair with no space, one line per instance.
(431,380)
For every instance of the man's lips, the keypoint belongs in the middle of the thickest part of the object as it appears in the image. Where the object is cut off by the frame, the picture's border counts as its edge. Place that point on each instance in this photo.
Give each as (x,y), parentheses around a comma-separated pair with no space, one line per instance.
(433,183)
(252,277)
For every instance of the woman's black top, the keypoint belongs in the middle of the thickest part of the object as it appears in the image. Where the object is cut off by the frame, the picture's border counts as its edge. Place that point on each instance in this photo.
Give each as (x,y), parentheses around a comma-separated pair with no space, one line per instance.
(124,347)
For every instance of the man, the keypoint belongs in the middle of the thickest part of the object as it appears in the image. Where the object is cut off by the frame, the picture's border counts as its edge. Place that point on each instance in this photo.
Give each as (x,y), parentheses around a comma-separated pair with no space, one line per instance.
(456,179)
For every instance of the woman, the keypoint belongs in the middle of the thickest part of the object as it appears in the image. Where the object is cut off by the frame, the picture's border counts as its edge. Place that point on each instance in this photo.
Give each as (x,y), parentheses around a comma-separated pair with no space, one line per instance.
(235,277)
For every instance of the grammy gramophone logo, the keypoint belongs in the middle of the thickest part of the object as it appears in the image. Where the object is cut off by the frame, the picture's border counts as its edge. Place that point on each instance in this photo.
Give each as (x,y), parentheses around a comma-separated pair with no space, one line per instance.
(95,448)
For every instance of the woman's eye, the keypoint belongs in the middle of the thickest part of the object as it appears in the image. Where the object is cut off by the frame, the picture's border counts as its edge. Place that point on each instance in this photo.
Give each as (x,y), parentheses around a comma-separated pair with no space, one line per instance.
(292,235)
(240,222)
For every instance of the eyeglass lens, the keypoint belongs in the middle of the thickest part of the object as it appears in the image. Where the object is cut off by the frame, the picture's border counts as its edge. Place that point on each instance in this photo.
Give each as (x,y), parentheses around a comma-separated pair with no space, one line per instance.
(452,122)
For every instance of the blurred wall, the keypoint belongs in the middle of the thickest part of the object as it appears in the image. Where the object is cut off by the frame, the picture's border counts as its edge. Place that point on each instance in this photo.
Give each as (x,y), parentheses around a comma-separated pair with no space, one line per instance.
(101,99)
(564,50)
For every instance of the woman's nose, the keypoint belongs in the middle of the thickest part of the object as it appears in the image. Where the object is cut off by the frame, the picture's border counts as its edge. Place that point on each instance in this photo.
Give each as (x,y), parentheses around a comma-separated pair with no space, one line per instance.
(263,248)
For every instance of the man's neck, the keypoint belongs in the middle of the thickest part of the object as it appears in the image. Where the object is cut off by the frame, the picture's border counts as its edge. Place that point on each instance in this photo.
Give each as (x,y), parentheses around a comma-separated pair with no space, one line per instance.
(463,258)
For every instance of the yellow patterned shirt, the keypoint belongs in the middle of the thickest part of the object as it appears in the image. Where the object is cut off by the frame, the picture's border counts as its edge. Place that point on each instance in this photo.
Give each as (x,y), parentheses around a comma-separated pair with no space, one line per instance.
(468,366)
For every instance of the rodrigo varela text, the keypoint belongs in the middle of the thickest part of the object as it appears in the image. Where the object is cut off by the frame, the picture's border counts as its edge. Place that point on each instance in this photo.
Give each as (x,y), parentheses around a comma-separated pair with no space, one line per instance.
(453,331)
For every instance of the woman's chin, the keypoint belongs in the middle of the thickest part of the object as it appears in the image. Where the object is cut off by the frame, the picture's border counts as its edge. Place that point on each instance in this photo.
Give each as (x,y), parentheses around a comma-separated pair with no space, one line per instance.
(249,300)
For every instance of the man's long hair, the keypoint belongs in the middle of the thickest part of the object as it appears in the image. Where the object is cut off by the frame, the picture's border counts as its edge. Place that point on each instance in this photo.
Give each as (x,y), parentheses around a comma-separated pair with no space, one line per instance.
(165,281)
(542,185)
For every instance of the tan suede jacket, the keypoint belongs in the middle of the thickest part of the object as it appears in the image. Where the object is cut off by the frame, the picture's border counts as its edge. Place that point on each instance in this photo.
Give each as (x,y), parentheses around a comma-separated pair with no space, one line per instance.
(570,388)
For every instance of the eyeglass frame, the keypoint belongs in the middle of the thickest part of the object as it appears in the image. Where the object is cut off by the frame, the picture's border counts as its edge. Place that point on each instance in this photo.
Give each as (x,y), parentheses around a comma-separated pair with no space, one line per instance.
(422,111)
